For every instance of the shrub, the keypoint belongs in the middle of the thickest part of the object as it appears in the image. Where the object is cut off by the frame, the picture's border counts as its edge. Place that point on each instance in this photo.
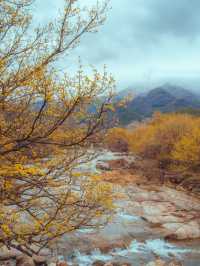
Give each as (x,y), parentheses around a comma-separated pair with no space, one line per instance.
(117,139)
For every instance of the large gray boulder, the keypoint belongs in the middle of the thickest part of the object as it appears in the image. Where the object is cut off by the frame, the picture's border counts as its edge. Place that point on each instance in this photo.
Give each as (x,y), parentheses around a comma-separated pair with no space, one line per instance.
(190,230)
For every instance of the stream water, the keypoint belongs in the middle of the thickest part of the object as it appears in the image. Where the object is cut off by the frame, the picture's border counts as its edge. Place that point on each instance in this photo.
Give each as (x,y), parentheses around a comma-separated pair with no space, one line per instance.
(127,238)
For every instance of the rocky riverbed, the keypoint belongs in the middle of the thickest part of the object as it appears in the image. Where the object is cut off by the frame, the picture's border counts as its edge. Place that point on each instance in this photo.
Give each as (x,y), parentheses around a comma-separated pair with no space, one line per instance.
(152,225)
(174,211)
(149,222)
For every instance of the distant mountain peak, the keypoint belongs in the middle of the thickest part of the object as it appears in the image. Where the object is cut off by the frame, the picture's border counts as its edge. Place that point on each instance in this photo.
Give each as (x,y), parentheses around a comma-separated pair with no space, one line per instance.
(177,91)
(165,98)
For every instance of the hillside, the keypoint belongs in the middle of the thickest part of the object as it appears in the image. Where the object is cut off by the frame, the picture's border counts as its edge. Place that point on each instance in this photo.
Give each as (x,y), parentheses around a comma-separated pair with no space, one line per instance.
(166,98)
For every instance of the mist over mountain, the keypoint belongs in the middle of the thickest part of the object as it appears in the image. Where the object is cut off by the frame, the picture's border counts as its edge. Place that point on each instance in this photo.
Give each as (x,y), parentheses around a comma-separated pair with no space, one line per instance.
(166,98)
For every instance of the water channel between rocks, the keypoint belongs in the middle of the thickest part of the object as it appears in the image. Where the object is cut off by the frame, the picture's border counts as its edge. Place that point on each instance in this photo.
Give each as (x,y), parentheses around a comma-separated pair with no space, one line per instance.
(126,238)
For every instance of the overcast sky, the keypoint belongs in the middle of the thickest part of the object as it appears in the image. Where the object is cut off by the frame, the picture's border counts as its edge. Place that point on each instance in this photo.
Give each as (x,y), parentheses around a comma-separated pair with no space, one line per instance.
(144,43)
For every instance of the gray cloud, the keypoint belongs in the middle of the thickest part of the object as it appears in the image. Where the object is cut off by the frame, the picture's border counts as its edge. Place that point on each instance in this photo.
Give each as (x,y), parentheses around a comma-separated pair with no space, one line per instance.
(145,42)
(179,18)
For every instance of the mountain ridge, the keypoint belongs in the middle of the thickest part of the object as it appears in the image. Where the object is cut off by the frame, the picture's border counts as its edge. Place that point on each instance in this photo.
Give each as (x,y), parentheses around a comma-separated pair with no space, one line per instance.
(166,98)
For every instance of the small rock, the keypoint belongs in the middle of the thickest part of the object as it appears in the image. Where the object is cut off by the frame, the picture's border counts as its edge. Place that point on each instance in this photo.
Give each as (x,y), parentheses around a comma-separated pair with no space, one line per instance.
(24,260)
(103,166)
(151,208)
(39,260)
(175,263)
(156,263)
(98,263)
(189,230)
(61,263)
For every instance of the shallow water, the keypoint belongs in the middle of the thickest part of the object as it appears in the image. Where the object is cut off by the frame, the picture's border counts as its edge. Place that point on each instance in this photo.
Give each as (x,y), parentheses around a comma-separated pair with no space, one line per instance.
(139,241)
(136,250)
(144,246)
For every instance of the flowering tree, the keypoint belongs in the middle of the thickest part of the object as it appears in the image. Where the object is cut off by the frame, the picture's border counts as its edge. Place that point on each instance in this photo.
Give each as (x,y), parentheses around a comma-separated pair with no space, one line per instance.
(48,123)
